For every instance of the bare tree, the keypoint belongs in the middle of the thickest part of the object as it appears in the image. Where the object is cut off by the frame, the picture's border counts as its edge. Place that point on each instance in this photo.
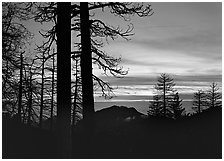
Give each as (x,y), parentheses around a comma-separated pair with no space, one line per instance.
(98,31)
(14,38)
(31,87)
(20,87)
(77,95)
(42,91)
(93,31)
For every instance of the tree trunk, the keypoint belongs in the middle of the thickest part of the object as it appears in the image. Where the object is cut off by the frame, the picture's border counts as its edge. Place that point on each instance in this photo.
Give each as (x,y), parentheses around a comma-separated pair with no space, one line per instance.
(64,79)
(86,63)
(30,99)
(76,92)
(52,95)
(6,75)
(42,94)
(213,95)
(20,87)
(164,97)
(87,81)
(199,103)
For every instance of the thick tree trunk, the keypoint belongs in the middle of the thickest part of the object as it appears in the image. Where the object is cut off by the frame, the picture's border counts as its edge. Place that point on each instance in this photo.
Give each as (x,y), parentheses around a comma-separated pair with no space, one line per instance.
(63,29)
(20,87)
(86,63)
(87,81)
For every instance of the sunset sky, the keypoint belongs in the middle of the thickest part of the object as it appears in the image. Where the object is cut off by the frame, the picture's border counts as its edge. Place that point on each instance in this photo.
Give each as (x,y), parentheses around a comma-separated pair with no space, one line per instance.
(182,39)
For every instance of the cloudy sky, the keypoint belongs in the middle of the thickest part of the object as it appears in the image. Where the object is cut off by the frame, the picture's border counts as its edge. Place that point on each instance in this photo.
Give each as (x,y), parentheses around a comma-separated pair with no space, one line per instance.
(183,39)
(179,38)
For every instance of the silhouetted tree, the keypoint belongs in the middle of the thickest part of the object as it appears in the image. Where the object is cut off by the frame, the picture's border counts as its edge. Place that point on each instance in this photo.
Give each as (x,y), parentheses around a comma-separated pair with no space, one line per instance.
(176,106)
(14,38)
(52,92)
(64,78)
(30,97)
(93,32)
(199,101)
(99,30)
(77,98)
(155,106)
(86,62)
(214,96)
(42,91)
(20,87)
(165,88)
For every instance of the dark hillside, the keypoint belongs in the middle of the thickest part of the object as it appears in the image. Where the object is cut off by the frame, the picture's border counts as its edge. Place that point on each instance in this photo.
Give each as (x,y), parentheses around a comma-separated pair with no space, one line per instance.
(22,142)
(198,136)
(121,132)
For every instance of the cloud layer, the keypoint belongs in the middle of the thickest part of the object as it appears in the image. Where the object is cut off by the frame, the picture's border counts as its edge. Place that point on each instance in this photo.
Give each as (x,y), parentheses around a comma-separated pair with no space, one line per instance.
(180,38)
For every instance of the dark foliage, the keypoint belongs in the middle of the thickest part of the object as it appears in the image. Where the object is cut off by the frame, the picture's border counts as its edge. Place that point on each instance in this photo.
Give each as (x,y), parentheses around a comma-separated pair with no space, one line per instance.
(32,143)
(176,106)
(155,106)
(165,88)
(199,101)
(214,96)
(166,102)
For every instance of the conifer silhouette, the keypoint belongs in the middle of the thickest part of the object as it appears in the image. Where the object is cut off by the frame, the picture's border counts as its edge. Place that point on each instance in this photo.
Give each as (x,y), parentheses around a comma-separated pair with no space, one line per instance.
(214,96)
(199,101)
(165,88)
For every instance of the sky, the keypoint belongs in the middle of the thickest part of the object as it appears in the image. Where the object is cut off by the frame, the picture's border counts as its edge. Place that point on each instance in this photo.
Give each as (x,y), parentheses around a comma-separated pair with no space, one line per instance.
(179,38)
(183,39)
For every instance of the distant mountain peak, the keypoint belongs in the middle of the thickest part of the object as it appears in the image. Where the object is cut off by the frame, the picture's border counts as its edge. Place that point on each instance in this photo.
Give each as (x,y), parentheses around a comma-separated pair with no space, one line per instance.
(118,112)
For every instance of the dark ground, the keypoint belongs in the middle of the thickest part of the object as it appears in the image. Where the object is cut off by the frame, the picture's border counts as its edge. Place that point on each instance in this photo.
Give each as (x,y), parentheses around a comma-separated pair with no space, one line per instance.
(198,136)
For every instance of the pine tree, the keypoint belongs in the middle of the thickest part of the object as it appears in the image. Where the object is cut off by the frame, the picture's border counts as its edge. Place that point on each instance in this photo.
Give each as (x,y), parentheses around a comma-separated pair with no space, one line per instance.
(165,88)
(199,101)
(176,106)
(214,96)
(155,106)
